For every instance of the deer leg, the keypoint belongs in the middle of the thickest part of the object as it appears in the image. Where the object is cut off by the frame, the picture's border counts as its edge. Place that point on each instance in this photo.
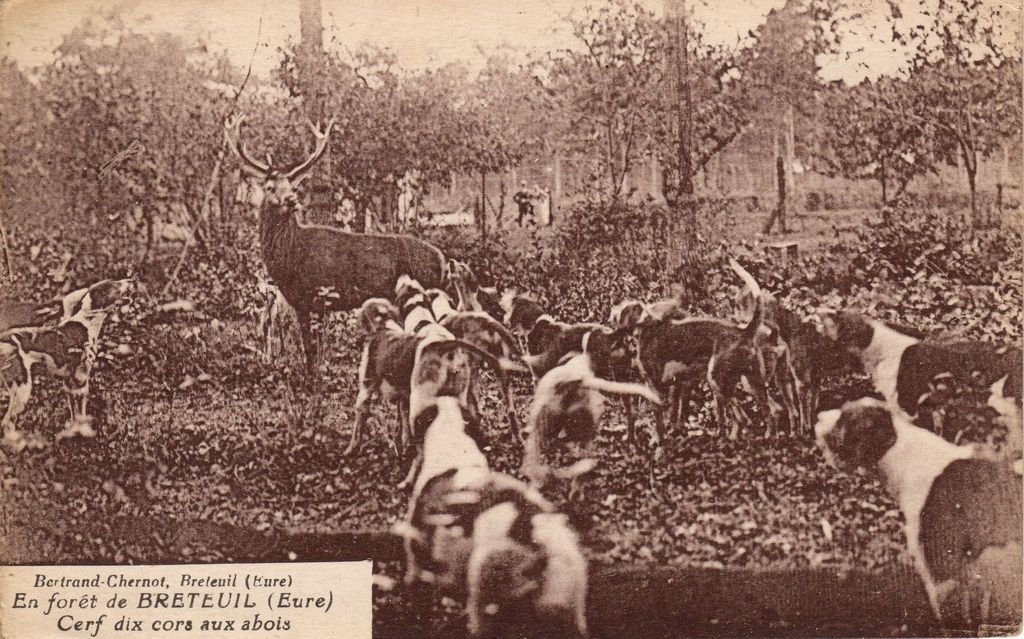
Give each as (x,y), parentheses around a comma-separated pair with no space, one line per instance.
(308,341)
(659,430)
(684,388)
(682,398)
(627,407)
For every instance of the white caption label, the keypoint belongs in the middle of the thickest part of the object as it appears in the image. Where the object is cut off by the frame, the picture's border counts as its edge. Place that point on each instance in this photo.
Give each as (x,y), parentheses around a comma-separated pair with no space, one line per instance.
(187,601)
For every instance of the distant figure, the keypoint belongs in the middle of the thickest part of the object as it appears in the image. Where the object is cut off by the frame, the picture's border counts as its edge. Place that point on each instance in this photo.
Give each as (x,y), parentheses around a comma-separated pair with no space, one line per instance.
(524,198)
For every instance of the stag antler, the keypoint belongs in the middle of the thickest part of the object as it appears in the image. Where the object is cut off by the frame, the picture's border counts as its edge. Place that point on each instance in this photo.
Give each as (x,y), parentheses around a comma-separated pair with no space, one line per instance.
(298,171)
(232,129)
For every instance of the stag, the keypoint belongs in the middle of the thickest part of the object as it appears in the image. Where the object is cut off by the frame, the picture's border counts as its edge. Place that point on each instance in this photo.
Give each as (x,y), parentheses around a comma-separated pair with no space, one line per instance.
(307,261)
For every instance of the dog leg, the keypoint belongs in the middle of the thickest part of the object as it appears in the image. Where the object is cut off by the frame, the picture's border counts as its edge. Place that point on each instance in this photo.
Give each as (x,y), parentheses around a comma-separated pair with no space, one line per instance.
(510,407)
(412,472)
(674,407)
(917,554)
(627,407)
(17,399)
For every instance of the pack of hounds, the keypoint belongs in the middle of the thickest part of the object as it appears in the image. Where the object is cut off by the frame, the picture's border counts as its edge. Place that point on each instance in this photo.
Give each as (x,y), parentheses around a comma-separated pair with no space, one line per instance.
(498,544)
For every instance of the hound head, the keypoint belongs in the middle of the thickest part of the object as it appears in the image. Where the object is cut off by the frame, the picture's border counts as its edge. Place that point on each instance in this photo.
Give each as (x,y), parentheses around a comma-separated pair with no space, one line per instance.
(856,436)
(521,310)
(377,313)
(456,271)
(406,287)
(97,298)
(490,302)
(849,331)
(610,351)
(662,310)
(626,314)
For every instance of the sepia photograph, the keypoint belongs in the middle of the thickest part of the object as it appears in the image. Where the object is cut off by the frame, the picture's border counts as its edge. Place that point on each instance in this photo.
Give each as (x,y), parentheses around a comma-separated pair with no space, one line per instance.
(592,319)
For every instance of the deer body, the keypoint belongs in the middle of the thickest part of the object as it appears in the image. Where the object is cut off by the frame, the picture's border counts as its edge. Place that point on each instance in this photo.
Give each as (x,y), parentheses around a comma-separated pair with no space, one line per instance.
(321,268)
(302,260)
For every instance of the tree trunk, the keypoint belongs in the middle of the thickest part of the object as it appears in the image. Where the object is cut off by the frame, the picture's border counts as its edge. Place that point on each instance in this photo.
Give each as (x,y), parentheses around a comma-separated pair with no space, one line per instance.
(885,199)
(483,204)
(790,161)
(682,258)
(780,210)
(5,258)
(314,89)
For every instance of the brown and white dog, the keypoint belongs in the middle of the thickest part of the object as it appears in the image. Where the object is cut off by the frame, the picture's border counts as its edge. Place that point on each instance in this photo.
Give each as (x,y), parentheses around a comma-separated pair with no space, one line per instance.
(385,366)
(471,296)
(628,316)
(685,352)
(547,340)
(413,305)
(905,369)
(962,511)
(490,537)
(68,351)
(452,461)
(526,568)
(568,401)
(794,353)
(442,368)
(466,285)
(16,374)
(489,335)
(408,369)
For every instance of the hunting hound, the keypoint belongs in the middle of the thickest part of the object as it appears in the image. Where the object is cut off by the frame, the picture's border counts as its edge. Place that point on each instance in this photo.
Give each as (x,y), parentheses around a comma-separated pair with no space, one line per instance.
(961,510)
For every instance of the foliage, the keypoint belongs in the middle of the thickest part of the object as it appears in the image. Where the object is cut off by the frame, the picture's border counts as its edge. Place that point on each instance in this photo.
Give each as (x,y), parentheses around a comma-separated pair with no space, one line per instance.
(392,124)
(965,77)
(607,88)
(869,138)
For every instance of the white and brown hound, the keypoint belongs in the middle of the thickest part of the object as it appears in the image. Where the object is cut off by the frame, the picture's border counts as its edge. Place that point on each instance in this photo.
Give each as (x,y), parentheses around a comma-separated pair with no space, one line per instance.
(526,568)
(491,538)
(452,460)
(471,296)
(16,374)
(962,511)
(413,305)
(68,351)
(547,340)
(486,333)
(685,352)
(568,401)
(907,369)
(385,366)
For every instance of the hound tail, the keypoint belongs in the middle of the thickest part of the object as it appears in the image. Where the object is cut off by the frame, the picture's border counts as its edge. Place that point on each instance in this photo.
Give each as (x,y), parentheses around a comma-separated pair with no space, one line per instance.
(755,290)
(622,388)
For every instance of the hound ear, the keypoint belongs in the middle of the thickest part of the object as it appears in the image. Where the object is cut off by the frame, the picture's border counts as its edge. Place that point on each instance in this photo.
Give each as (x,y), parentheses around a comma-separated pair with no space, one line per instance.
(72,302)
(862,435)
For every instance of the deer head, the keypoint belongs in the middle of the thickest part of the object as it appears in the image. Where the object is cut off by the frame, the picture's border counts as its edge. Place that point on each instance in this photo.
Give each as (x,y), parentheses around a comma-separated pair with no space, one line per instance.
(275,184)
